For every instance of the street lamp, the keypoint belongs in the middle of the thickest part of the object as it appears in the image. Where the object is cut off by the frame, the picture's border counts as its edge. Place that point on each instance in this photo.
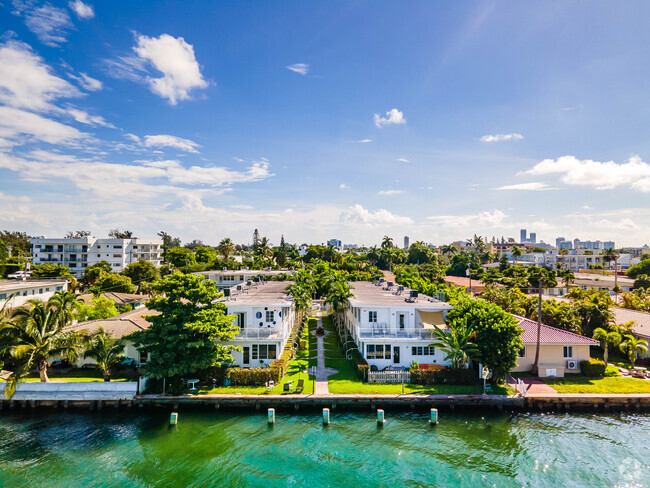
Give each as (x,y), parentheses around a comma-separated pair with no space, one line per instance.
(468,272)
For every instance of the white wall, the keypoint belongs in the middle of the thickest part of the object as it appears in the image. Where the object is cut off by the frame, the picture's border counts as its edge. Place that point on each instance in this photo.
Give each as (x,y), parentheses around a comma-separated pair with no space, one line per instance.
(29,292)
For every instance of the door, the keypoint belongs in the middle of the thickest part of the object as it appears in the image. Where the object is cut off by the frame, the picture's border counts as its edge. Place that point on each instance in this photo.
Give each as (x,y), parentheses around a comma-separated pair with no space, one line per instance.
(247,355)
(396,354)
(401,321)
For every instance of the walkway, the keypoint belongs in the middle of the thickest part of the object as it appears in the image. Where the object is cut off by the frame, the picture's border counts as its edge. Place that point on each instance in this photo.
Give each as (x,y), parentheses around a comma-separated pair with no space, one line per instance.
(536,387)
(321,371)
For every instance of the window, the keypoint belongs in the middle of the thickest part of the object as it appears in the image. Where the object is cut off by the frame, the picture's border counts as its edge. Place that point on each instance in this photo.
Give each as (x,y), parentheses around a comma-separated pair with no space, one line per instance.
(378,351)
(3,296)
(372,317)
(568,351)
(264,351)
(117,247)
(117,255)
(59,288)
(522,352)
(423,351)
(40,291)
(270,315)
(402,320)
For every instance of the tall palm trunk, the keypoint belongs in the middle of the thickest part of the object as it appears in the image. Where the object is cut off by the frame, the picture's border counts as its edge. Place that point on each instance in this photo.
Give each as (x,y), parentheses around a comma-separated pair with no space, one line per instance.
(42,371)
(539,331)
(606,352)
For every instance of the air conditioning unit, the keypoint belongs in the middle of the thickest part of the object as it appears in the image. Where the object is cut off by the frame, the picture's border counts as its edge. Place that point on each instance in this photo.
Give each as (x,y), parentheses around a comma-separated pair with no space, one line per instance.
(572,364)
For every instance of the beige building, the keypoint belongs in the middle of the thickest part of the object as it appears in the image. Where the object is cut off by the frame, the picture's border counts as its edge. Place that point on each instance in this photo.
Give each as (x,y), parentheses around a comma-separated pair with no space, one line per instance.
(560,351)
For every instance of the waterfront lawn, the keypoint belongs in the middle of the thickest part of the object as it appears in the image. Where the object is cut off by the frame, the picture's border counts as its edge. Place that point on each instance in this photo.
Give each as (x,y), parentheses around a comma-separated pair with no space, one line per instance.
(347,382)
(608,384)
(82,375)
(294,372)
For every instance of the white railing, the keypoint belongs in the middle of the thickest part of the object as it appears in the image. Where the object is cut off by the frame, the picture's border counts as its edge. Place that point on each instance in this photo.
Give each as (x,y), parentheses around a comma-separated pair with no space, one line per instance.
(521,387)
(389,376)
(260,333)
(387,333)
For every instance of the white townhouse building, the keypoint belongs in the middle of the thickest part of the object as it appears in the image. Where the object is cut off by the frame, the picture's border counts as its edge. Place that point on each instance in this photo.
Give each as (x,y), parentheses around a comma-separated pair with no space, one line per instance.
(78,254)
(392,325)
(265,315)
(227,278)
(14,293)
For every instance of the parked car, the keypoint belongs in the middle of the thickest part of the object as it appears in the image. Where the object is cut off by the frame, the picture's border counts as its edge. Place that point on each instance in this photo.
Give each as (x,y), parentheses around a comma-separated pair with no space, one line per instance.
(60,363)
(128,362)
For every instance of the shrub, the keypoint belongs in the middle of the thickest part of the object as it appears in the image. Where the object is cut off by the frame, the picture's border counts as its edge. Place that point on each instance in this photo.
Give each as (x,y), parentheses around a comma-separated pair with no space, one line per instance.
(303,344)
(414,365)
(320,331)
(593,368)
(449,376)
(312,322)
(360,364)
(251,376)
(422,377)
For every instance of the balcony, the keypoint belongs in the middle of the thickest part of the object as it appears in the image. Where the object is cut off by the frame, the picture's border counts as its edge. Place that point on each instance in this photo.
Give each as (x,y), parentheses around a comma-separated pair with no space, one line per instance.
(383,331)
(50,260)
(83,259)
(265,333)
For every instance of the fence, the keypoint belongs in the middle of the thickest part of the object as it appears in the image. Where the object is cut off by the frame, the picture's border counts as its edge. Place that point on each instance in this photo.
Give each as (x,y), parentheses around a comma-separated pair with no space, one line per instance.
(521,387)
(389,376)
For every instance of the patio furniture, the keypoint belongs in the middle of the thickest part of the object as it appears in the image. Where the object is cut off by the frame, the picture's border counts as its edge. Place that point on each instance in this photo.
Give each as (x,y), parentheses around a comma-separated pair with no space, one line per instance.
(286,388)
(301,386)
(193,383)
(270,384)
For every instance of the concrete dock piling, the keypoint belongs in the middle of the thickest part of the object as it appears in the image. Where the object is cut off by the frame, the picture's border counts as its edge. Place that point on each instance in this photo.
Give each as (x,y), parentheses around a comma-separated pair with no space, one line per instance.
(380,417)
(173,418)
(433,420)
(271,415)
(326,416)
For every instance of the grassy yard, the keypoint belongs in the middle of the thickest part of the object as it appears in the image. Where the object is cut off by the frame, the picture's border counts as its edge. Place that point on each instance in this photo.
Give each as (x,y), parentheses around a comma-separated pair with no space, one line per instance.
(608,384)
(82,375)
(347,382)
(294,373)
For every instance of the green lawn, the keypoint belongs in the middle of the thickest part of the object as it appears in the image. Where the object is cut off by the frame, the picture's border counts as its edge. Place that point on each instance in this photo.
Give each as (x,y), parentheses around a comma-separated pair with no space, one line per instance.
(298,364)
(347,382)
(608,384)
(82,375)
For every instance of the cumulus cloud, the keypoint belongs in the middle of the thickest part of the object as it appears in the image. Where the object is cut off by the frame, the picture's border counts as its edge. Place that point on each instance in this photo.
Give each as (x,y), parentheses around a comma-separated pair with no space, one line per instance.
(393,116)
(164,140)
(82,10)
(358,214)
(533,186)
(50,24)
(501,137)
(634,173)
(300,68)
(390,192)
(175,59)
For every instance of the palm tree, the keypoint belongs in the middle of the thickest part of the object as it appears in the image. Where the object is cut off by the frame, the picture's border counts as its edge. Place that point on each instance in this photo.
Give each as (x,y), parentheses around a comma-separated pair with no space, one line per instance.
(448,249)
(338,296)
(226,248)
(301,290)
(387,242)
(631,345)
(457,343)
(33,336)
(264,249)
(606,339)
(516,253)
(65,304)
(106,351)
(540,277)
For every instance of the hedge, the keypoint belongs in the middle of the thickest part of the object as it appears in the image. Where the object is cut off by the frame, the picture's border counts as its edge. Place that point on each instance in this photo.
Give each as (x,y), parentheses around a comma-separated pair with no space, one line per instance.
(360,364)
(593,368)
(251,376)
(449,376)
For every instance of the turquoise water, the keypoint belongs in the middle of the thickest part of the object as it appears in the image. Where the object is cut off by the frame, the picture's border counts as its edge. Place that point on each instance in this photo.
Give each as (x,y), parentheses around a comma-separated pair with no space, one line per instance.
(136,449)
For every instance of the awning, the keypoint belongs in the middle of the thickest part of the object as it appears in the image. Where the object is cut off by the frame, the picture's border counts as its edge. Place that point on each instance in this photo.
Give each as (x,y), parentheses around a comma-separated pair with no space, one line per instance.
(431,318)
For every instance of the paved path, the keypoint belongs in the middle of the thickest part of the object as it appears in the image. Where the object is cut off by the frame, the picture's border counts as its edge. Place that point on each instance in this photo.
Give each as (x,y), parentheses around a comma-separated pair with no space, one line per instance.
(321,371)
(536,387)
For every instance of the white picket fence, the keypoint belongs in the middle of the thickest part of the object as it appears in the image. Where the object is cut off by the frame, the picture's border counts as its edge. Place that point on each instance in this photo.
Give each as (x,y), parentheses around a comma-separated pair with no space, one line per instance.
(389,376)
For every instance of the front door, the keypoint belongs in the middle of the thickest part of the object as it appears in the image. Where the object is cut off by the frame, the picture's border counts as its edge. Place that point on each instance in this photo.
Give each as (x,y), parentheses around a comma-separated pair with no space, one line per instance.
(396,354)
(247,355)
(401,319)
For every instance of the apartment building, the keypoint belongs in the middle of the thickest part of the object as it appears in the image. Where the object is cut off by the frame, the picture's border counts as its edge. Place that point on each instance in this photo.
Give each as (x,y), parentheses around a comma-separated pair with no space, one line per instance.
(227,278)
(78,254)
(392,325)
(265,315)
(14,293)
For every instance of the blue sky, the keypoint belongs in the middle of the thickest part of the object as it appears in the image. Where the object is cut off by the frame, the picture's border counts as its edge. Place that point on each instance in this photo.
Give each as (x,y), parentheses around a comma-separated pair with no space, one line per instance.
(435,120)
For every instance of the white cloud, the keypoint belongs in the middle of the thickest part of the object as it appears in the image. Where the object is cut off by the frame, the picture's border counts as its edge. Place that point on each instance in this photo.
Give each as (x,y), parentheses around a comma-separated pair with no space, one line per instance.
(175,59)
(501,137)
(344,186)
(49,23)
(88,83)
(164,140)
(393,116)
(300,68)
(21,126)
(390,192)
(481,219)
(634,173)
(242,207)
(364,141)
(358,214)
(85,118)
(403,160)
(82,10)
(533,186)
(27,82)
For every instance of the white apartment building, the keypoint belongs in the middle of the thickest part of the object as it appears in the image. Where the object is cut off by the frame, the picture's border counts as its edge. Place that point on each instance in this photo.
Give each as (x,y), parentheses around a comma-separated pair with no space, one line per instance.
(78,254)
(227,278)
(14,293)
(265,315)
(392,325)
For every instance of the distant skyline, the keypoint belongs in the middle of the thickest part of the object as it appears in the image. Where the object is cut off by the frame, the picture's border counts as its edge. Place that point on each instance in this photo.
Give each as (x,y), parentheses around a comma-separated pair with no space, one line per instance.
(347,120)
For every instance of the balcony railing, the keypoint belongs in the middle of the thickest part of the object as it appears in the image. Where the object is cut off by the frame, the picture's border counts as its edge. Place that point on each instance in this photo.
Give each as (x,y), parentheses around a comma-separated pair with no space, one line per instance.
(249,333)
(386,332)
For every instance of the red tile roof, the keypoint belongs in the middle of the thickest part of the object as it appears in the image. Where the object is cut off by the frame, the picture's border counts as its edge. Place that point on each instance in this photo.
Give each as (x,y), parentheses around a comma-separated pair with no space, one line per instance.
(550,335)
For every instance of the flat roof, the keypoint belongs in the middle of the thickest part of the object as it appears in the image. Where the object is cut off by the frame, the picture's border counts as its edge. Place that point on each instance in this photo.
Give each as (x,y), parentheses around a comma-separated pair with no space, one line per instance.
(266,293)
(253,272)
(8,285)
(641,320)
(368,294)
